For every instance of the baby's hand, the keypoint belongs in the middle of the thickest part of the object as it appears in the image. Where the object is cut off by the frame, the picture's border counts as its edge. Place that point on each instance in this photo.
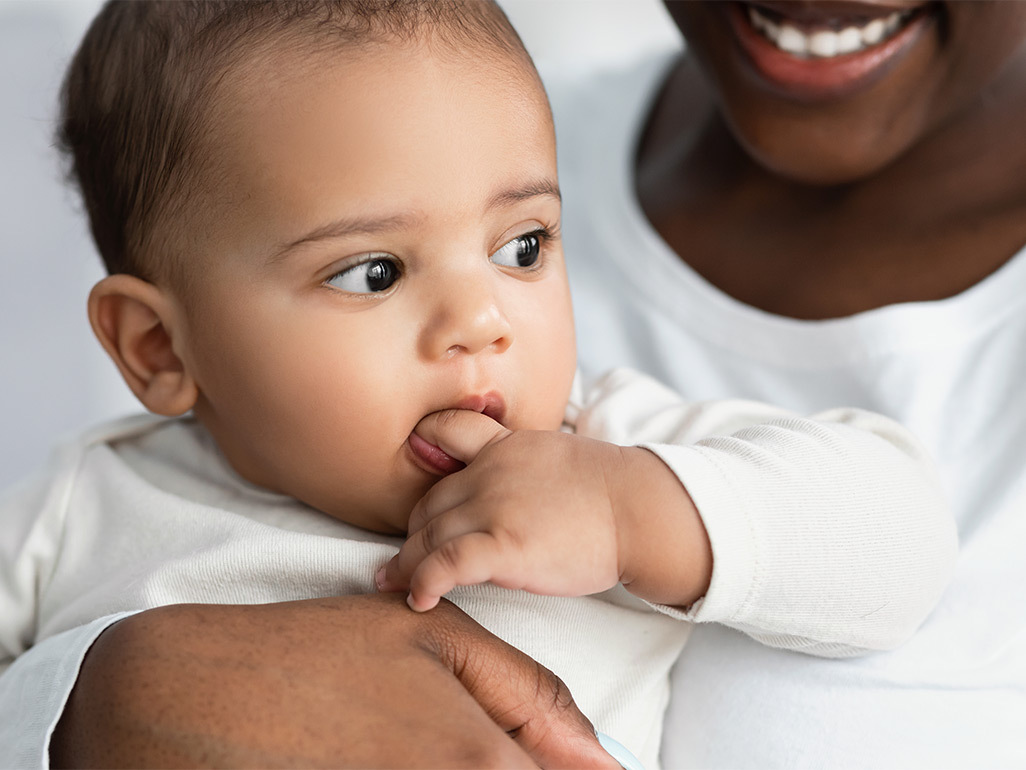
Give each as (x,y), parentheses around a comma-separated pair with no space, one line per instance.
(532,510)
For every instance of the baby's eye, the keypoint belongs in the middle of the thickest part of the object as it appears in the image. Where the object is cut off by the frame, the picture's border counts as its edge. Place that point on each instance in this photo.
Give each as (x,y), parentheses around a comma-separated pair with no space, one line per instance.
(522,251)
(374,275)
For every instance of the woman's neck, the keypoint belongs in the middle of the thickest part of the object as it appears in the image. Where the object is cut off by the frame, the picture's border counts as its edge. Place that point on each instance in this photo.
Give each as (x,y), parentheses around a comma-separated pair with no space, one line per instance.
(937,220)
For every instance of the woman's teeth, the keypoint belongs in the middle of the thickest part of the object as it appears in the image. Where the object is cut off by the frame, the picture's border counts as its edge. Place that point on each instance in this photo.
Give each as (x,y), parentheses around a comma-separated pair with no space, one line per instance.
(825,43)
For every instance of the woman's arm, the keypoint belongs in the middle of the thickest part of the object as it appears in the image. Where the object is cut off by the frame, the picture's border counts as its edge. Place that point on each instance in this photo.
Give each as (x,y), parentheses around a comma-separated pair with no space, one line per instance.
(343,682)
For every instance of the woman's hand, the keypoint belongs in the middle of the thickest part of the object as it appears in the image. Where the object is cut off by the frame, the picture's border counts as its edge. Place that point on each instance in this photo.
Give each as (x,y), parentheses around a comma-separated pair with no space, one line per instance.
(353,681)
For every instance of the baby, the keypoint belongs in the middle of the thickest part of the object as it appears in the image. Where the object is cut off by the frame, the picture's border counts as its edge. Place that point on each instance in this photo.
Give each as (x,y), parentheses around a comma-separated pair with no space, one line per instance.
(332,232)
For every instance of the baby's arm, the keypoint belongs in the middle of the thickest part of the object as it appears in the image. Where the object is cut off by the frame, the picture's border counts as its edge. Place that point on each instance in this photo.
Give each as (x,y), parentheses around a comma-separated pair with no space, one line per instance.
(34,684)
(829,534)
(30,536)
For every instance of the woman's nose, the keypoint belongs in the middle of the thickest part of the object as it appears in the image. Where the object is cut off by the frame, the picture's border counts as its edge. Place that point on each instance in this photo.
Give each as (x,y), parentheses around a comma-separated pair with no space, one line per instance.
(469,320)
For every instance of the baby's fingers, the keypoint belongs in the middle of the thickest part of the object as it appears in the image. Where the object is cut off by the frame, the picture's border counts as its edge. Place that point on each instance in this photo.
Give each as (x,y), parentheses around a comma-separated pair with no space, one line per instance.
(396,574)
(462,561)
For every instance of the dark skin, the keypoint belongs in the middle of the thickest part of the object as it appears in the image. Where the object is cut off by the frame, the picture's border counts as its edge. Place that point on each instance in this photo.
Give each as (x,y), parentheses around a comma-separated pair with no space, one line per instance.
(357,681)
(911,190)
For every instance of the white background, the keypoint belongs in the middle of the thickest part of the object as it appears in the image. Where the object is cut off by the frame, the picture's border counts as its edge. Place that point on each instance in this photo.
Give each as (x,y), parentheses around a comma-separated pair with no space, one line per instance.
(54,378)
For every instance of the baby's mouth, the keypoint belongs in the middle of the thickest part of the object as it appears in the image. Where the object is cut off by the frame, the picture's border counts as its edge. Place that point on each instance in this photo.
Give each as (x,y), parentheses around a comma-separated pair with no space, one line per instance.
(434,459)
(807,33)
(431,458)
(490,404)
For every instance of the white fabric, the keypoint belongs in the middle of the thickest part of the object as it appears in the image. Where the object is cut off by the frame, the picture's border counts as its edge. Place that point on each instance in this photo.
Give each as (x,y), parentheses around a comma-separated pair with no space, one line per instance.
(35,688)
(952,371)
(146,512)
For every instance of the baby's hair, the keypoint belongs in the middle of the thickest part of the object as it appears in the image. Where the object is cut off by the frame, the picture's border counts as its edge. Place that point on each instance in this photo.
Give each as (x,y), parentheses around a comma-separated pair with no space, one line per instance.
(138,95)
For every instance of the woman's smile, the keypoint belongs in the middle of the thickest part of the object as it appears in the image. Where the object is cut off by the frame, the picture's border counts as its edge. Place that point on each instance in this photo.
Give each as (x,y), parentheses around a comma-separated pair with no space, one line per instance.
(825,50)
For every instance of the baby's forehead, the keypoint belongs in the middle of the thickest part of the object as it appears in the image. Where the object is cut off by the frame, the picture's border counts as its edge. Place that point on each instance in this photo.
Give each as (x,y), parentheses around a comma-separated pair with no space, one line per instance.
(298,140)
(272,68)
(287,85)
(265,59)
(166,75)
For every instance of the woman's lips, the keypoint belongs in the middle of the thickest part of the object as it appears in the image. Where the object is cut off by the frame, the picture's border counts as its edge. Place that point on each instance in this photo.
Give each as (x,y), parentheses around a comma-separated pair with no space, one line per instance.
(844,48)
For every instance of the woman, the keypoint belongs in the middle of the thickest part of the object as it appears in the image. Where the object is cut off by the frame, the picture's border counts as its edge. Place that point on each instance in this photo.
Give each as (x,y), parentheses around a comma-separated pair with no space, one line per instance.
(820,204)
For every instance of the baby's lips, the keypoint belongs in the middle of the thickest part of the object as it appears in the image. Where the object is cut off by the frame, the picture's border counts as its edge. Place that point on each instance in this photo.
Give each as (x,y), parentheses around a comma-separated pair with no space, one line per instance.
(490,404)
(463,433)
(432,457)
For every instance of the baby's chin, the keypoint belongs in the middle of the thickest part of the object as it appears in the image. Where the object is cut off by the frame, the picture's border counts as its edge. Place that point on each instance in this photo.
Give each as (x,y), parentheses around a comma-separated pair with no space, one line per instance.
(386,519)
(372,521)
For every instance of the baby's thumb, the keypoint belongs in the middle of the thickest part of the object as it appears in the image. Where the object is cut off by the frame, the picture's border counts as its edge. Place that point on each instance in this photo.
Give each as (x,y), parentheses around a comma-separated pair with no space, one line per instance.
(460,433)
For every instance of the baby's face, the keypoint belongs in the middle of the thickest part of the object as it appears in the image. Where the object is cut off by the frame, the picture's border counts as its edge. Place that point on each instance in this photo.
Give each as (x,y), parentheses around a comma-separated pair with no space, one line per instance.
(387,247)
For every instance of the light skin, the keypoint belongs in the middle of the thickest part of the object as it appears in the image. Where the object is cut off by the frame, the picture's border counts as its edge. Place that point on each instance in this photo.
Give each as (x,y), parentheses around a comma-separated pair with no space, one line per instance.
(381,306)
(365,276)
(354,295)
(623,519)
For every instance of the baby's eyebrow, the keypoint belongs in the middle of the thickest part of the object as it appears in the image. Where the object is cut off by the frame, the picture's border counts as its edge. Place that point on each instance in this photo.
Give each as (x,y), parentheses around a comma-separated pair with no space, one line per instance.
(350,226)
(519,193)
(347,226)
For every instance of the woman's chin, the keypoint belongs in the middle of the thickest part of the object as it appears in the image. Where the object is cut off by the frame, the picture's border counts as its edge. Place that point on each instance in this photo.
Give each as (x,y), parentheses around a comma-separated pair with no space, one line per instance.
(799,160)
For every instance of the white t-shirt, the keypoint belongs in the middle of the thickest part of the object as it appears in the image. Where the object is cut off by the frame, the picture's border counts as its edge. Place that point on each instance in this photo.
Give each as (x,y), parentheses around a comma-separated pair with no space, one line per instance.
(146,512)
(952,371)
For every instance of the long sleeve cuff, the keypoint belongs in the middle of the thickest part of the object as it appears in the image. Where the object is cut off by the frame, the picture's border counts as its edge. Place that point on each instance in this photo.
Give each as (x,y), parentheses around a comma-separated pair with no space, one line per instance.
(842,553)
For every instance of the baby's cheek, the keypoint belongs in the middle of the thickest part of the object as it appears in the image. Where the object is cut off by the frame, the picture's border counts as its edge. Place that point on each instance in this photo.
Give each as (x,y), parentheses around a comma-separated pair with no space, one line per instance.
(557,391)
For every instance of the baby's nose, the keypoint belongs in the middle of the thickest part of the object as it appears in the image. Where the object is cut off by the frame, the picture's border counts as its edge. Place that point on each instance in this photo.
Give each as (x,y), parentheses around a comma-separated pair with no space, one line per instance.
(469,321)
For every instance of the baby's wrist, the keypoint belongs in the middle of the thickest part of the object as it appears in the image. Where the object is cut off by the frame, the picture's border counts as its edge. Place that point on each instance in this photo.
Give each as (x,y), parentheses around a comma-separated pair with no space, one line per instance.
(639,534)
(664,552)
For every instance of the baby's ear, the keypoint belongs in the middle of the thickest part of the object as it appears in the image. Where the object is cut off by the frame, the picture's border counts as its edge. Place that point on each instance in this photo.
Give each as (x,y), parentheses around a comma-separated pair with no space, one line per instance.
(135,323)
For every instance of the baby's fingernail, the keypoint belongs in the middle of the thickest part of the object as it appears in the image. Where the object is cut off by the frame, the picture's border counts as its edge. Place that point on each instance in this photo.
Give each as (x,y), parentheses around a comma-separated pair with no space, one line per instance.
(380,580)
(412,604)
